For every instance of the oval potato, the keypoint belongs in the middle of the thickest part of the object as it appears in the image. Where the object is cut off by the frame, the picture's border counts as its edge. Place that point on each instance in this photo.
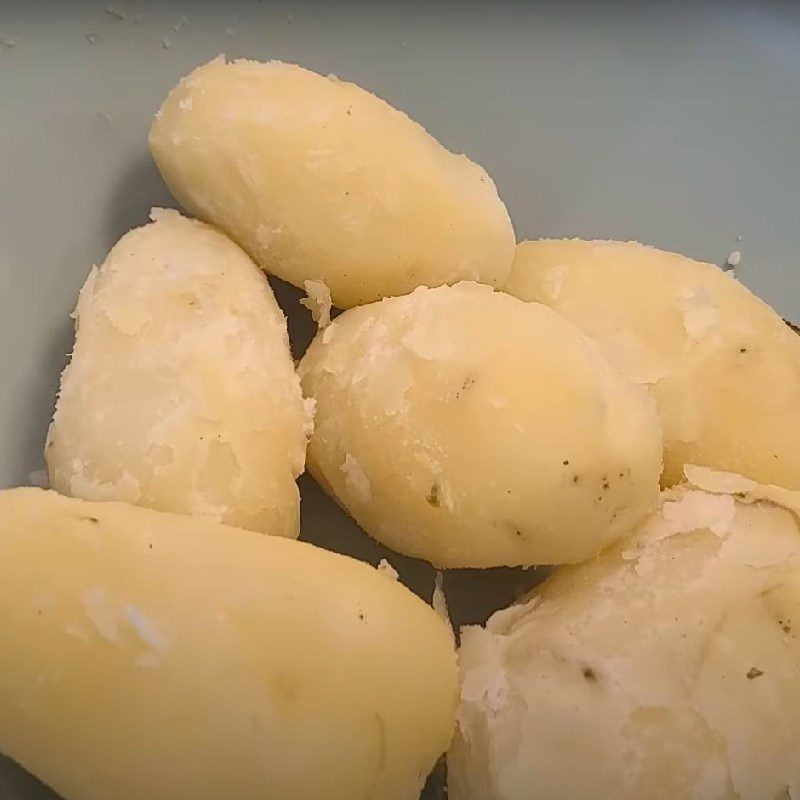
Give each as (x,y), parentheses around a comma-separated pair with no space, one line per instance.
(665,669)
(465,427)
(723,367)
(152,655)
(320,180)
(181,394)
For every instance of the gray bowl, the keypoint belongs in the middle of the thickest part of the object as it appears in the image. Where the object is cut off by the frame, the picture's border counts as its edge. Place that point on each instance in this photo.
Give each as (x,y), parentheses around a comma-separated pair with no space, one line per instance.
(668,123)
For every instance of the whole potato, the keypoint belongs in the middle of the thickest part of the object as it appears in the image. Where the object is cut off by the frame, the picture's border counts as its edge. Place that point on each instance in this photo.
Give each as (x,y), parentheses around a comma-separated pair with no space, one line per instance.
(468,428)
(156,656)
(181,394)
(667,669)
(723,367)
(320,180)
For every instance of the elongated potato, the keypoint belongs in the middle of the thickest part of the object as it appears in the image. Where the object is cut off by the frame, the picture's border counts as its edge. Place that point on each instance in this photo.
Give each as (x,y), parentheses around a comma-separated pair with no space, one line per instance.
(668,668)
(463,426)
(151,655)
(320,180)
(723,367)
(181,394)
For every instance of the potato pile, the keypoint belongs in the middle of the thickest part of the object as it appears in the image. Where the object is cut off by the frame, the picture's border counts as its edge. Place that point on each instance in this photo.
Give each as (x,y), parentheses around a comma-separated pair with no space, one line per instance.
(629,415)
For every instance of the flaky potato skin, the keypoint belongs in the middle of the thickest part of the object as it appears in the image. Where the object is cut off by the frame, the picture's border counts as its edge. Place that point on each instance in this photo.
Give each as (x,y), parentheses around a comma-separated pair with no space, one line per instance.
(153,655)
(181,393)
(666,668)
(320,180)
(463,426)
(722,366)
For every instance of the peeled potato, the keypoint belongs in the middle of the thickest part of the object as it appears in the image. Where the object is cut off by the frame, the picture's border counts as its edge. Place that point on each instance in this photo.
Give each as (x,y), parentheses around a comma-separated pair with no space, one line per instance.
(319,180)
(181,394)
(151,655)
(667,668)
(468,428)
(723,367)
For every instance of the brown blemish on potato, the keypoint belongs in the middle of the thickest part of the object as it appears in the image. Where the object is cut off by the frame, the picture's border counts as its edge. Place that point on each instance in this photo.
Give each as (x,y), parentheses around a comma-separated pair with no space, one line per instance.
(434,498)
(589,674)
(753,673)
(93,520)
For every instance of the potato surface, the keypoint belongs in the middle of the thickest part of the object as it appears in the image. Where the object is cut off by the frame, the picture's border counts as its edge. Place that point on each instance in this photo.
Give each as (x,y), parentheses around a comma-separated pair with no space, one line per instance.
(667,668)
(723,367)
(320,180)
(152,655)
(181,394)
(466,427)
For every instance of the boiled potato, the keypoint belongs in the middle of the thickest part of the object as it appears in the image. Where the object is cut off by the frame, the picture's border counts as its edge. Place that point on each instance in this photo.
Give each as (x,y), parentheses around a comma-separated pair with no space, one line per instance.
(723,367)
(320,180)
(667,669)
(181,394)
(468,428)
(152,655)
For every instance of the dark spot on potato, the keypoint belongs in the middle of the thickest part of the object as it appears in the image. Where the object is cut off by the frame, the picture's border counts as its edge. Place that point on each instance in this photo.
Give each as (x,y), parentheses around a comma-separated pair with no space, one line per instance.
(740,495)
(93,520)
(786,628)
(589,674)
(434,496)
(622,474)
(468,383)
(361,615)
(742,349)
(565,462)
(606,484)
(38,612)
(575,479)
(753,673)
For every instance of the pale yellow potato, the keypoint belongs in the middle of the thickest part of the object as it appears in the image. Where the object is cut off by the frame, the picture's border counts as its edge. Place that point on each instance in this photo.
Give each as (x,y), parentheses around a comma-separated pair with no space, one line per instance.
(152,656)
(181,394)
(723,367)
(667,669)
(320,180)
(466,427)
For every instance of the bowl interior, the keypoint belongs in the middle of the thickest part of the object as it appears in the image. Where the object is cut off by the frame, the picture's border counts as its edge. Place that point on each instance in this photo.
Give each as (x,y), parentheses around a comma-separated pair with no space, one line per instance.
(674,124)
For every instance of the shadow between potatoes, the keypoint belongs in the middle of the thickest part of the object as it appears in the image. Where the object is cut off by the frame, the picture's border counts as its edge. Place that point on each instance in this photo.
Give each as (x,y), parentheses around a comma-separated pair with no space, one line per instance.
(15,783)
(35,403)
(139,189)
(473,595)
(302,327)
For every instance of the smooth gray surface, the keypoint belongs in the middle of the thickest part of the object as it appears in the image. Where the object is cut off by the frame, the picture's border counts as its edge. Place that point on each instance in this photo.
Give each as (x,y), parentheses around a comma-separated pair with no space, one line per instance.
(675,124)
